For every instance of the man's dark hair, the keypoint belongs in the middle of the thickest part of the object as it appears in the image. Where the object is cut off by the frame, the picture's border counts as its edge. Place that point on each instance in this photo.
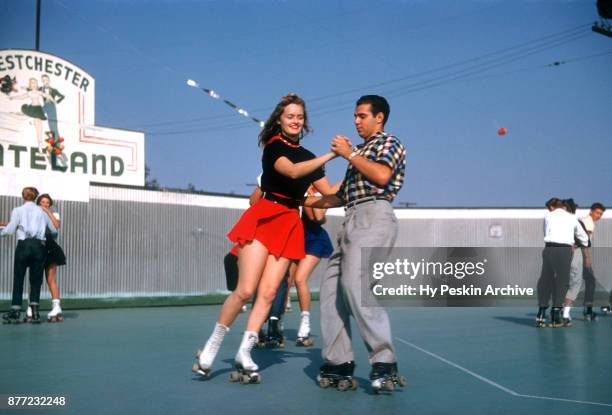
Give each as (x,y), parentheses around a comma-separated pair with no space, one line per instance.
(378,103)
(598,205)
(570,205)
(552,202)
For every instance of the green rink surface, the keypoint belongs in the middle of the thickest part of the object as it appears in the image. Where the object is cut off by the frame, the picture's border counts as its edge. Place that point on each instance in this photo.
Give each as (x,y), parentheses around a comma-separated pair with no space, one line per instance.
(456,360)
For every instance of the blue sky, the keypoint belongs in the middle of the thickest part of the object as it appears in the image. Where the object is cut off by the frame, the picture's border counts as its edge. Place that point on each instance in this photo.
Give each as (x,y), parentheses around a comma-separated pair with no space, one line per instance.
(454,72)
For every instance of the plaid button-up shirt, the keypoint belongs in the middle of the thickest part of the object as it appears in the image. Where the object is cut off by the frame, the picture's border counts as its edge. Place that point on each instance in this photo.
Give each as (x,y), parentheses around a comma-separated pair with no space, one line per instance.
(382,148)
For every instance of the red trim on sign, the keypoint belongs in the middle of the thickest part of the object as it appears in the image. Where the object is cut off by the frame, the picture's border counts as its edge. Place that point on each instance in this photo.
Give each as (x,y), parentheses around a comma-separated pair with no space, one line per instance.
(85,138)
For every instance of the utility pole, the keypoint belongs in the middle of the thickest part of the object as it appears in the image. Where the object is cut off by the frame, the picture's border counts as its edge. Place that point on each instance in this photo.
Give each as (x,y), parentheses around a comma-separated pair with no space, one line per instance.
(38,25)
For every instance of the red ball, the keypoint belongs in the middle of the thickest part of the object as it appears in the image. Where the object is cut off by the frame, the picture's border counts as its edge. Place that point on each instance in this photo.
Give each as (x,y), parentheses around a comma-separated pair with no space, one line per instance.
(61,139)
(50,140)
(57,151)
(502,131)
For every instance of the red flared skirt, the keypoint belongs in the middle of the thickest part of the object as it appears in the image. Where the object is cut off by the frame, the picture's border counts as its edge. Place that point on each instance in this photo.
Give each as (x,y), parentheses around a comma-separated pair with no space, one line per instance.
(276,226)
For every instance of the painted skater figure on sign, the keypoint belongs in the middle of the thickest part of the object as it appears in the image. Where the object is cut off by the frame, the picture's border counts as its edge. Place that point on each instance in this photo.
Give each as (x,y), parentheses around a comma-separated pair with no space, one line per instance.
(52,97)
(34,109)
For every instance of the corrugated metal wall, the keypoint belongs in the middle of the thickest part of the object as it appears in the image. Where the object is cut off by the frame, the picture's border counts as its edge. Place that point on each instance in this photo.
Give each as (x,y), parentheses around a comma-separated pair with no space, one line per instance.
(145,244)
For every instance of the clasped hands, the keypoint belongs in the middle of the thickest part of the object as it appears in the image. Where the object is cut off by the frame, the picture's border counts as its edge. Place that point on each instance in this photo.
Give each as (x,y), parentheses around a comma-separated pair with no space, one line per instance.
(342,146)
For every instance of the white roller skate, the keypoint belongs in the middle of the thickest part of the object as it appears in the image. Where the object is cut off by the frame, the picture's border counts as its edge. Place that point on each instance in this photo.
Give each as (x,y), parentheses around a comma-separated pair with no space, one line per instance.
(246,369)
(303,336)
(28,316)
(207,355)
(55,315)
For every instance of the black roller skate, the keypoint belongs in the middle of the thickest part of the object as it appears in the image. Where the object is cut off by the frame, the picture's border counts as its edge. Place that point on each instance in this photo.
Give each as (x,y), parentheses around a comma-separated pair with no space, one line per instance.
(555,318)
(11,317)
(384,377)
(246,370)
(262,339)
(275,334)
(589,314)
(32,316)
(337,376)
(541,317)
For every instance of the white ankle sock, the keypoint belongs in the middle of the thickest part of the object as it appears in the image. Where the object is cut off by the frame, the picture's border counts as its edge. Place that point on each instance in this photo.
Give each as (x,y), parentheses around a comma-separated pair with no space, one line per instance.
(566,311)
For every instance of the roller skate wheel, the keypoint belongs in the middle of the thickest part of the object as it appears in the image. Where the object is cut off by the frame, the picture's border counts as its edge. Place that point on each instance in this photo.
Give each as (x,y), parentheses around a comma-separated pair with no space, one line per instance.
(402,381)
(304,342)
(354,384)
(235,377)
(244,379)
(324,382)
(377,385)
(197,369)
(344,385)
(389,386)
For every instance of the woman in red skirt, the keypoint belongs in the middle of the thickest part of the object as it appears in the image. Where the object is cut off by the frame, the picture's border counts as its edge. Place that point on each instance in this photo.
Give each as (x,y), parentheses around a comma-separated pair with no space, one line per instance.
(270,233)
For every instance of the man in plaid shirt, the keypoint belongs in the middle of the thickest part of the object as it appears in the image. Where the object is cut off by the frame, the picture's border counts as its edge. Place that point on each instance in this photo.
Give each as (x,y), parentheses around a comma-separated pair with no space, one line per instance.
(374,176)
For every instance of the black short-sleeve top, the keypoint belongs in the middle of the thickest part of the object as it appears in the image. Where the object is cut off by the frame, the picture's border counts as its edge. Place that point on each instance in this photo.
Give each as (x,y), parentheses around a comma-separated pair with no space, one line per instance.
(274,182)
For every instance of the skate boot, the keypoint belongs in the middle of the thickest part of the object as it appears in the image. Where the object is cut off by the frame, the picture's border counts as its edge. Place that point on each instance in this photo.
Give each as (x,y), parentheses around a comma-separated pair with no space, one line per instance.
(262,339)
(555,318)
(246,369)
(303,336)
(55,315)
(605,309)
(11,317)
(35,314)
(338,376)
(384,377)
(28,316)
(567,316)
(541,317)
(207,355)
(589,314)
(275,335)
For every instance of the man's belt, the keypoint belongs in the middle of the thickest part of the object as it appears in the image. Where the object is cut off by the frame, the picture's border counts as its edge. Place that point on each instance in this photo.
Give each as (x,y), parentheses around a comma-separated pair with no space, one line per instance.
(364,200)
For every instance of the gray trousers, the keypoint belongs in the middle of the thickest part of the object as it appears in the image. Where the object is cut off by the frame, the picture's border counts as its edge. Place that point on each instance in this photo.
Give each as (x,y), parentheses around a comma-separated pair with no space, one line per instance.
(575,281)
(370,224)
